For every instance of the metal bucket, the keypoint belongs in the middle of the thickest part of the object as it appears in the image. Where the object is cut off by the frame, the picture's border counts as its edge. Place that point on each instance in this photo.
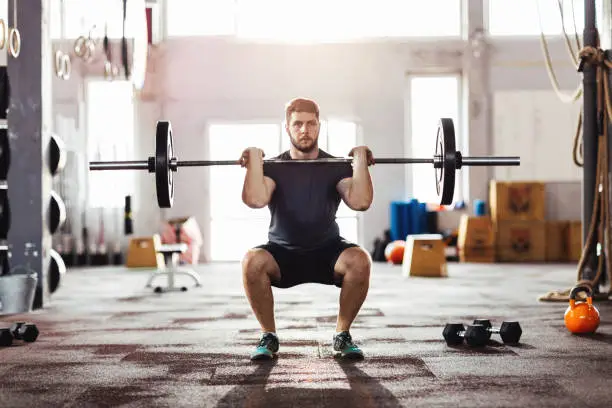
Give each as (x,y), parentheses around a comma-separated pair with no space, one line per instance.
(17,293)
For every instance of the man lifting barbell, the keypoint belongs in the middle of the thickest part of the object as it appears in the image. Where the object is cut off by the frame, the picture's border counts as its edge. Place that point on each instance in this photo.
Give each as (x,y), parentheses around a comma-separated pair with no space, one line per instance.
(303,188)
(305,245)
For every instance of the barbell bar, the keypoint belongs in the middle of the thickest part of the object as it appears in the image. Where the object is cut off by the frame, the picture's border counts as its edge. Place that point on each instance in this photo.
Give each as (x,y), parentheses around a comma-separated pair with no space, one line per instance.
(446,161)
(174,163)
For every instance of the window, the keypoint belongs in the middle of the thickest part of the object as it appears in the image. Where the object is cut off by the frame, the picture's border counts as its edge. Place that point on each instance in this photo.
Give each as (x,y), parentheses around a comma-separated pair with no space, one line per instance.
(75,18)
(342,20)
(521,17)
(318,20)
(430,98)
(55,19)
(236,227)
(110,130)
(199,18)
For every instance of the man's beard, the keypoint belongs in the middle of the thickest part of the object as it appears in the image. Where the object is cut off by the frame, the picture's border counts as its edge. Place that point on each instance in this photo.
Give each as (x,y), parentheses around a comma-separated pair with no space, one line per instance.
(304,149)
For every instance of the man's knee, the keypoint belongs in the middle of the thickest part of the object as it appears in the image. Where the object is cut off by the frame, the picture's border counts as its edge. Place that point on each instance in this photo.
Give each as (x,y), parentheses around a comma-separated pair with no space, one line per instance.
(356,263)
(258,263)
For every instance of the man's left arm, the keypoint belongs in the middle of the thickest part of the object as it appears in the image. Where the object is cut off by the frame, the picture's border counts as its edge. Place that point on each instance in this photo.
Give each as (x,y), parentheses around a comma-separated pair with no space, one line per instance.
(357,191)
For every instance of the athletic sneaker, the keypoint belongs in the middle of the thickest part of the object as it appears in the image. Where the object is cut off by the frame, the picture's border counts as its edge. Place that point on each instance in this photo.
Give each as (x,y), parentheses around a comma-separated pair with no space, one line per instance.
(267,347)
(343,345)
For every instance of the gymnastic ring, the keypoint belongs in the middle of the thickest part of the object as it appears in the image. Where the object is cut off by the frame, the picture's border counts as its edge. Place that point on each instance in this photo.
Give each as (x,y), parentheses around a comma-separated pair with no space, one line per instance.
(110,71)
(3,41)
(90,49)
(14,42)
(59,69)
(66,67)
(79,47)
(108,68)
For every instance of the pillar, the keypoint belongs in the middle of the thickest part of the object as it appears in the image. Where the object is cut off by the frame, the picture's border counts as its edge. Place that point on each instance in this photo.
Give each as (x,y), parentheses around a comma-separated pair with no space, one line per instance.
(29,123)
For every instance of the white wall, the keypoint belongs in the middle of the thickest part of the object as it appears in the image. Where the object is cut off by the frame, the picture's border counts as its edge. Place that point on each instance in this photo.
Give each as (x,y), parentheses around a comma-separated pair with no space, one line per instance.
(197,80)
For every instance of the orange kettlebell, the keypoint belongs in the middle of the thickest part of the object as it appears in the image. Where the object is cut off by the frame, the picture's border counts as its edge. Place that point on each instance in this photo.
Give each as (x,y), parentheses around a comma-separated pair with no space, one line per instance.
(581,317)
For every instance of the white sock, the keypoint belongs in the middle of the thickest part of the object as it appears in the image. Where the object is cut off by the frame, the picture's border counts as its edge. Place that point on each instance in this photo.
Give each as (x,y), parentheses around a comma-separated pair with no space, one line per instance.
(272,333)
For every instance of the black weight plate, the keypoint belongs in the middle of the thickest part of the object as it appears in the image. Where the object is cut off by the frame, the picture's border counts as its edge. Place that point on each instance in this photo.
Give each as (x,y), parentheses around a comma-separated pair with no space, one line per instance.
(446,151)
(57,154)
(5,213)
(5,154)
(5,266)
(5,92)
(57,212)
(57,269)
(164,152)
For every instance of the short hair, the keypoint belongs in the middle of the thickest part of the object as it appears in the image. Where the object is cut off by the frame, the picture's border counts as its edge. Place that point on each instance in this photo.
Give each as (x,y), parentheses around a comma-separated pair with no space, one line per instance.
(301,105)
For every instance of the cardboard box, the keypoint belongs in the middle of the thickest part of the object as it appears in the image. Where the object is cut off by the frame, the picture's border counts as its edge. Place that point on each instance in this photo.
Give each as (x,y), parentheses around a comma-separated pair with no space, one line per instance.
(521,241)
(475,232)
(511,200)
(557,241)
(477,255)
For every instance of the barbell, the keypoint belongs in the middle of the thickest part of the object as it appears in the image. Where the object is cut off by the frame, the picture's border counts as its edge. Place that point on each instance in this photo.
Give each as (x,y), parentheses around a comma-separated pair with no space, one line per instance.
(446,161)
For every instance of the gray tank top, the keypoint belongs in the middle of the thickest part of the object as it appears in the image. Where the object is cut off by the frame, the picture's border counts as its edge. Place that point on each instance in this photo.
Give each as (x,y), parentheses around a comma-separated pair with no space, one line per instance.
(304,204)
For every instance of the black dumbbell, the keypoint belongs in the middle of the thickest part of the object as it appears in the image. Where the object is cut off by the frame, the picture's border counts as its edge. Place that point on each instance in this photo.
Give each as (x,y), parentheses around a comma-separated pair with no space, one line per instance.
(6,338)
(455,333)
(510,332)
(24,331)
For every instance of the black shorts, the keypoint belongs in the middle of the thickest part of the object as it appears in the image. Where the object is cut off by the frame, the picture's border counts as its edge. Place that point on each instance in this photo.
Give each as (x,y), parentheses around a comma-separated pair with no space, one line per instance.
(299,266)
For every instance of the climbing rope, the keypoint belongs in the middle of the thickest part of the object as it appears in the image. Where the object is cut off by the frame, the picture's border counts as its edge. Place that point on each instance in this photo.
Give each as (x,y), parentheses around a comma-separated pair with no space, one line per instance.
(597,240)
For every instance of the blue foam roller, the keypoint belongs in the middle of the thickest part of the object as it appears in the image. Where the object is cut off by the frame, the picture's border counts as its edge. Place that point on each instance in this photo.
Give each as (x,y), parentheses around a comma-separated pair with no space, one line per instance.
(395,219)
(414,216)
(400,220)
(408,224)
(480,208)
(422,218)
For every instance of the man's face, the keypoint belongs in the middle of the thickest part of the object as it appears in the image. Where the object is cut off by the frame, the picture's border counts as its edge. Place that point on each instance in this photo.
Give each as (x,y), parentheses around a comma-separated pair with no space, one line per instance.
(303,130)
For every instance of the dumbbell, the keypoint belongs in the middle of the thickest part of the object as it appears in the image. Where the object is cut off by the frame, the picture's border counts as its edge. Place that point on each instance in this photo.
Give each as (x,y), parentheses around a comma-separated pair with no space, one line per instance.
(27,332)
(455,333)
(6,338)
(18,331)
(510,332)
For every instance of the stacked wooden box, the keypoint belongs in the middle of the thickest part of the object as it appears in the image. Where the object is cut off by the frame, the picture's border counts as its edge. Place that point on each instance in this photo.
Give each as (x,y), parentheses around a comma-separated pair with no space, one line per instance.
(522,232)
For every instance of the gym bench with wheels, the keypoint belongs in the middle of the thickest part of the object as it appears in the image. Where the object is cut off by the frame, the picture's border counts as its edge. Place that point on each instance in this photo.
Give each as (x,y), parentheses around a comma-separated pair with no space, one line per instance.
(172,254)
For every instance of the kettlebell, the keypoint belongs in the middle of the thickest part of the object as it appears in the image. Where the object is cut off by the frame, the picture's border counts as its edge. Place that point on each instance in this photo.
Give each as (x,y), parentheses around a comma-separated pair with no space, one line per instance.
(581,317)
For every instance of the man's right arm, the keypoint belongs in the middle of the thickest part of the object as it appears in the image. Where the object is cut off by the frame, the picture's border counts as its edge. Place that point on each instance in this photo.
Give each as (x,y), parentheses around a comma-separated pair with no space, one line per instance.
(258,188)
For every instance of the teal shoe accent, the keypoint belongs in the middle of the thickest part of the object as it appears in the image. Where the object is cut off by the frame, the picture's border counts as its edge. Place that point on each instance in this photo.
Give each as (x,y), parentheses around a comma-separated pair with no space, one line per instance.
(266,349)
(344,346)
(262,353)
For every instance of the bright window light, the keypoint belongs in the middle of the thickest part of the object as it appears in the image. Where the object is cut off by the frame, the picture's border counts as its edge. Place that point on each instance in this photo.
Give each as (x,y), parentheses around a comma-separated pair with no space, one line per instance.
(75,18)
(431,97)
(521,17)
(110,140)
(345,20)
(314,21)
(200,18)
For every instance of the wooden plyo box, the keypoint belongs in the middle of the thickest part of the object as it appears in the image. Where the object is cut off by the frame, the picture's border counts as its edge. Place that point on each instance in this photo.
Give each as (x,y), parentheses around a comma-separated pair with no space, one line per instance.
(424,256)
(142,253)
(476,239)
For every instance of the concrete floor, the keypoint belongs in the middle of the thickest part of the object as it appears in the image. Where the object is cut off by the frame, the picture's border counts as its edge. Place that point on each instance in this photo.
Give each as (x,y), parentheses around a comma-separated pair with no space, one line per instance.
(106,341)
